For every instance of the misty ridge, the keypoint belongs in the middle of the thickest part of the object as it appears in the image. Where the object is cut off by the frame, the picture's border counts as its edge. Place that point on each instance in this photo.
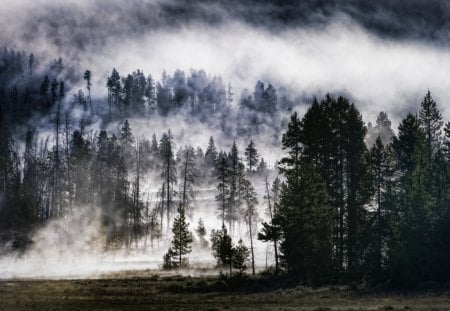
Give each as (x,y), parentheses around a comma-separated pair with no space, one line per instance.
(309,147)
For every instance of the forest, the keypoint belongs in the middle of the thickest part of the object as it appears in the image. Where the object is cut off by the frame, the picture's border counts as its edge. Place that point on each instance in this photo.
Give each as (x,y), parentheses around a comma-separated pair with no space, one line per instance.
(346,202)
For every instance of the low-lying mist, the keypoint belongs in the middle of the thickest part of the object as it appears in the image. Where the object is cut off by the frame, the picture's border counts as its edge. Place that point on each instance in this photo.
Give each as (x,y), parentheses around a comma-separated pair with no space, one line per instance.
(328,53)
(74,247)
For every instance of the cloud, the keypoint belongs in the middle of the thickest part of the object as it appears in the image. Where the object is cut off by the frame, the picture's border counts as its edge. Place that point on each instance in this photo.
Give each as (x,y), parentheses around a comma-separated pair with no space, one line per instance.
(339,56)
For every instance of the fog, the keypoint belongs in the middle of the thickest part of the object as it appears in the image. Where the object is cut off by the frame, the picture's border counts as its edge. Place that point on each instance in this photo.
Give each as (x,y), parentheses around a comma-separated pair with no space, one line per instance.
(339,55)
(74,247)
(335,53)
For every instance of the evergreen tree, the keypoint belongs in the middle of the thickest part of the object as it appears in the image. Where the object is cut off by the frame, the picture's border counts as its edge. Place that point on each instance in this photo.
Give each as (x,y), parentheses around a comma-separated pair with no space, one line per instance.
(87,77)
(168,175)
(262,167)
(222,247)
(137,206)
(251,156)
(222,173)
(411,153)
(181,242)
(150,94)
(304,219)
(292,142)
(127,143)
(114,90)
(251,216)
(240,257)
(211,153)
(235,179)
(188,175)
(269,231)
(431,123)
(269,100)
(332,133)
(201,233)
(383,217)
(382,129)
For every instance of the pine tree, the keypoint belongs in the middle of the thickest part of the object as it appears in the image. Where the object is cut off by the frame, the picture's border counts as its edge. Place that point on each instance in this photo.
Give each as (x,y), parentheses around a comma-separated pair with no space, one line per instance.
(431,123)
(136,208)
(181,242)
(411,243)
(168,175)
(251,156)
(381,166)
(187,175)
(201,233)
(152,225)
(222,247)
(292,142)
(235,178)
(127,143)
(114,90)
(150,94)
(251,216)
(87,77)
(6,143)
(332,135)
(262,167)
(304,219)
(240,257)
(269,102)
(382,129)
(446,142)
(211,154)
(222,173)
(269,231)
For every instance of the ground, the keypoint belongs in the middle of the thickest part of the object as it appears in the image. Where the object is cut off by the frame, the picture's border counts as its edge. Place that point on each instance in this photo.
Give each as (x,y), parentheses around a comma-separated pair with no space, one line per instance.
(197,293)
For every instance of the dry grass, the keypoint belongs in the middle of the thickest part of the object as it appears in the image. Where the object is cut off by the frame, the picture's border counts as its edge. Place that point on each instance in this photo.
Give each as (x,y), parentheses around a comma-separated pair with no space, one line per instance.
(184,293)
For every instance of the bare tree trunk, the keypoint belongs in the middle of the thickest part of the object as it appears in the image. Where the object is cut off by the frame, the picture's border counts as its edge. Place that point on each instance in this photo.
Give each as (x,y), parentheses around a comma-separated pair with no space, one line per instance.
(251,243)
(275,242)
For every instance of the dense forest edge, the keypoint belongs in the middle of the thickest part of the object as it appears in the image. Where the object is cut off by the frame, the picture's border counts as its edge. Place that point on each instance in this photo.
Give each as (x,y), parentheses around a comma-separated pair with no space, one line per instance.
(346,203)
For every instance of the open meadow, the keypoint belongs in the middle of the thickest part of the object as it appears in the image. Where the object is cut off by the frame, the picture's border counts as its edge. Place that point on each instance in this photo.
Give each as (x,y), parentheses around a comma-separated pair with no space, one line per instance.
(201,293)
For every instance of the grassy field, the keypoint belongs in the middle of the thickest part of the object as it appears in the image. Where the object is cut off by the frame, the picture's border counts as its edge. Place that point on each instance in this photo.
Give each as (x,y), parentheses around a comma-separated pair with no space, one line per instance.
(205,293)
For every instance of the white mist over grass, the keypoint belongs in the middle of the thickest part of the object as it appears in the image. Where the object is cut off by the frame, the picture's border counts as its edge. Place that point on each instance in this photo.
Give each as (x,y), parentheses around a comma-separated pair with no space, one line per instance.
(340,57)
(74,247)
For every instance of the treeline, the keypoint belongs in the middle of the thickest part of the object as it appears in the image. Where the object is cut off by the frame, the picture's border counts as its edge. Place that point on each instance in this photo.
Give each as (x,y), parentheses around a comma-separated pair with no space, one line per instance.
(196,96)
(74,168)
(347,212)
(30,88)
